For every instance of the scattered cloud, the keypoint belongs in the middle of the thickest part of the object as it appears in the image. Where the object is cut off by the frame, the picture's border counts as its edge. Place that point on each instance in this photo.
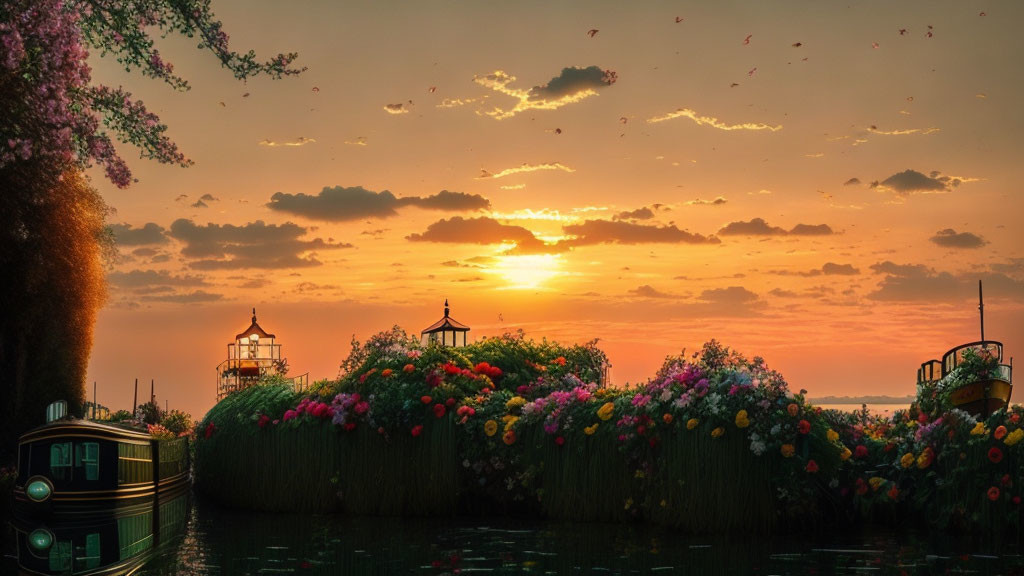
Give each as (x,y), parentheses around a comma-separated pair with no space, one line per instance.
(711,121)
(619,232)
(150,233)
(828,269)
(481,230)
(716,202)
(513,186)
(852,182)
(648,291)
(912,181)
(341,204)
(733,295)
(253,245)
(188,298)
(300,141)
(570,86)
(644,213)
(399,108)
(484,174)
(358,141)
(456,102)
(916,282)
(134,279)
(950,238)
(758,227)
(922,131)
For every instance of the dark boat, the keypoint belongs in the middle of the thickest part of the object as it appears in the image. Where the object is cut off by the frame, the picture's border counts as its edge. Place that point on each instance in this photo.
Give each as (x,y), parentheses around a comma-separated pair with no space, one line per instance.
(972,376)
(111,541)
(70,466)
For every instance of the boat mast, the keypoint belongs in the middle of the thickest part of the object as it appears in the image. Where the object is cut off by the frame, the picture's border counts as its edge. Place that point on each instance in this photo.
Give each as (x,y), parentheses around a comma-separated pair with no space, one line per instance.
(981,310)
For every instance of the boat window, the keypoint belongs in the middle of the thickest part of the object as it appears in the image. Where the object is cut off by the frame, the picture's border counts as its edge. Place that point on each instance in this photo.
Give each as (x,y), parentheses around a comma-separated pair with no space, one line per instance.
(87,557)
(60,556)
(60,461)
(87,456)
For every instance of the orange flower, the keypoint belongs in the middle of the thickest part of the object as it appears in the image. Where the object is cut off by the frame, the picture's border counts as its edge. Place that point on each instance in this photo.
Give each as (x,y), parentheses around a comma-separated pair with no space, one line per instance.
(560,360)
(894,492)
(787,450)
(667,418)
(387,372)
(408,368)
(509,438)
(1000,433)
(793,410)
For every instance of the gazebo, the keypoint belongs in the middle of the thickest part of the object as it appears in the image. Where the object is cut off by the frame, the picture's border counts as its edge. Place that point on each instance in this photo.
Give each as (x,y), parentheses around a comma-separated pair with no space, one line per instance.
(446,331)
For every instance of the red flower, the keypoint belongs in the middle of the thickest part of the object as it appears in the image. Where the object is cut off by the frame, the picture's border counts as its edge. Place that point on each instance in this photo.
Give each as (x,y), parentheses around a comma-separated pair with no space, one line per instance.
(485,390)
(861,451)
(482,368)
(417,430)
(560,361)
(426,399)
(450,368)
(559,440)
(1016,500)
(862,487)
(894,492)
(995,455)
(361,407)
(494,372)
(210,429)
(812,466)
(993,493)
(804,427)
(449,402)
(1006,480)
(433,379)
(263,421)
(408,368)
(641,429)
(922,418)
(1014,417)
(350,426)
(439,410)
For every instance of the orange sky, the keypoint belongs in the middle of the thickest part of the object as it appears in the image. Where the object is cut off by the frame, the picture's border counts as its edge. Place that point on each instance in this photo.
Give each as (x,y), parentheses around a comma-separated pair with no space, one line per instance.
(828,205)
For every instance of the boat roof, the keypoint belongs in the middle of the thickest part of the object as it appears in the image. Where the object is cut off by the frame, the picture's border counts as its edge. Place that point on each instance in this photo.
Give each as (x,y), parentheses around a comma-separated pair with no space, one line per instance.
(77,426)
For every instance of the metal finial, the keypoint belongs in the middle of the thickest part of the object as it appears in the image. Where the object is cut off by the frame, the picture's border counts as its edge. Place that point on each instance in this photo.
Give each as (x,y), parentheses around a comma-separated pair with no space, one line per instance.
(445,307)
(253,313)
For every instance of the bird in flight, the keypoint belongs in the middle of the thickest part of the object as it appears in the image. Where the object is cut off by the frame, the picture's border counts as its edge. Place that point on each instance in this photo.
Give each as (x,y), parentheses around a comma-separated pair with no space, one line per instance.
(558,130)
(797,44)
(929,33)
(874,45)
(592,32)
(680,19)
(623,119)
(752,70)
(734,84)
(432,89)
(903,31)
(316,89)
(246,95)
(223,105)
(747,39)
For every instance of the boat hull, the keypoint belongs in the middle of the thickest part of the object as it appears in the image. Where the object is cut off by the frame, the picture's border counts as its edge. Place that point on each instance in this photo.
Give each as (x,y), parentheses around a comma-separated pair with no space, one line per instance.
(983,397)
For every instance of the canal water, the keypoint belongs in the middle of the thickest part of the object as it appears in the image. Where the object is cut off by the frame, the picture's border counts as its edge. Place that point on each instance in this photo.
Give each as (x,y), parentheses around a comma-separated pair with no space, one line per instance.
(215,542)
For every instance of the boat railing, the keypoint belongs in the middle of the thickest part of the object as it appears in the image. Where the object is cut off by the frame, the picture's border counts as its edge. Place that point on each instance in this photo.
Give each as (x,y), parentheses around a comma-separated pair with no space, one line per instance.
(1004,372)
(953,358)
(930,371)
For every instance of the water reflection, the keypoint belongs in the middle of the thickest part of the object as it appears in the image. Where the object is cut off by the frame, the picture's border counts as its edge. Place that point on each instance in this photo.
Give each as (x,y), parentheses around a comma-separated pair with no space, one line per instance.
(219,542)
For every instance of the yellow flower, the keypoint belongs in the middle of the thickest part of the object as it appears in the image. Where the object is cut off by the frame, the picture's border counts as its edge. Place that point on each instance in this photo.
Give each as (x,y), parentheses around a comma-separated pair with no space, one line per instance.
(605,411)
(925,459)
(692,423)
(664,503)
(515,403)
(979,430)
(490,427)
(907,460)
(845,454)
(876,482)
(1014,437)
(629,503)
(741,419)
(509,437)
(787,450)
(589,430)
(510,422)
(717,432)
(832,435)
(639,474)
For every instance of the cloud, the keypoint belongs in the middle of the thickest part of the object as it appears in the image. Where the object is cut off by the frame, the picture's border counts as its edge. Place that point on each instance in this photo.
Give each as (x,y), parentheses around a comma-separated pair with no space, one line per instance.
(209,198)
(852,182)
(592,232)
(512,186)
(758,227)
(359,141)
(199,204)
(711,121)
(833,269)
(150,233)
(396,108)
(134,279)
(733,295)
(340,204)
(916,282)
(911,181)
(922,131)
(253,245)
(484,174)
(950,238)
(483,230)
(644,213)
(570,86)
(647,291)
(189,298)
(716,202)
(300,141)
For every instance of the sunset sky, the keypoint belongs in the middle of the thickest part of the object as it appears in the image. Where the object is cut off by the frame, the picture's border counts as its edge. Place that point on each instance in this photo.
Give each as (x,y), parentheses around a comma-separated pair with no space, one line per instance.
(817,183)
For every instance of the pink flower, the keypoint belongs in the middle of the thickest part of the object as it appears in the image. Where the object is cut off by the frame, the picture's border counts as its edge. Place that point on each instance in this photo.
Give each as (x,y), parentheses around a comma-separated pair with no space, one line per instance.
(361,407)
(289,415)
(416,430)
(559,440)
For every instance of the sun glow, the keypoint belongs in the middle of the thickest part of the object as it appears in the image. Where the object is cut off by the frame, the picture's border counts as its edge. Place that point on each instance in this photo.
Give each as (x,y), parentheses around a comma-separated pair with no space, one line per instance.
(527,272)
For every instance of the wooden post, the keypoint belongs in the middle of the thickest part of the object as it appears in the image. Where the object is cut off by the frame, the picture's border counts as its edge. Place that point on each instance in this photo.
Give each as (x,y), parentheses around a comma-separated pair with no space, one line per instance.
(152,393)
(93,399)
(135,399)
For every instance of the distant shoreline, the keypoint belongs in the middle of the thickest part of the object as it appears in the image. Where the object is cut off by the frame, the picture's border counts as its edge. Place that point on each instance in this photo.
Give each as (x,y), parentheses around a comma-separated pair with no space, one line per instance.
(862,400)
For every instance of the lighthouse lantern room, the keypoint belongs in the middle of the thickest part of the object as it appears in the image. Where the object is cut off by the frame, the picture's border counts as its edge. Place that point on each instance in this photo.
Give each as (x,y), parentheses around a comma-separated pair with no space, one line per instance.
(446,331)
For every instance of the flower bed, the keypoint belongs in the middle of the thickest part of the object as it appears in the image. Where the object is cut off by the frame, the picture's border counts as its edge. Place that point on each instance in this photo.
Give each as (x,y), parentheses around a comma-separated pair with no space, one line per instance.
(714,442)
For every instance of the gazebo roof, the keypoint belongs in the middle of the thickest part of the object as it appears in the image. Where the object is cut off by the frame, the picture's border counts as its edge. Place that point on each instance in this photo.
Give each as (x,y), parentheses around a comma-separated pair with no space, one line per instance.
(446,323)
(254,328)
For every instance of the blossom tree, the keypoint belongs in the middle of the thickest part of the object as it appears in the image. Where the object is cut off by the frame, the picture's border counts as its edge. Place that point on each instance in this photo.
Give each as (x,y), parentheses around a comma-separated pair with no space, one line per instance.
(54,123)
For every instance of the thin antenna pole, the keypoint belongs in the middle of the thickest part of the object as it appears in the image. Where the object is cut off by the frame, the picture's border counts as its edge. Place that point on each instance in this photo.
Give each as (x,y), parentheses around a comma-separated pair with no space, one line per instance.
(981,310)
(152,393)
(93,399)
(135,399)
